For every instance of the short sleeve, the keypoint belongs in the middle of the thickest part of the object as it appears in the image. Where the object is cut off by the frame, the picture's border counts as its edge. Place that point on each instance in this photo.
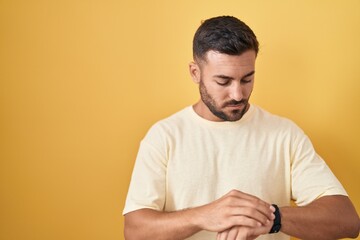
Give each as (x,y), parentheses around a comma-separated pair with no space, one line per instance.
(311,178)
(148,181)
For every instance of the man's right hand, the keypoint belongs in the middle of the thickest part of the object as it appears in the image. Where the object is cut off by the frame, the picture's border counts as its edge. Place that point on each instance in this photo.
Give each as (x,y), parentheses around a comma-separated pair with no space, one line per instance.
(233,209)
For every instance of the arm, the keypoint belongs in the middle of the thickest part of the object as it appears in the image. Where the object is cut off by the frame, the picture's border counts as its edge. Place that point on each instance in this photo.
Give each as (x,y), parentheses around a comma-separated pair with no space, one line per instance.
(234,208)
(152,224)
(329,217)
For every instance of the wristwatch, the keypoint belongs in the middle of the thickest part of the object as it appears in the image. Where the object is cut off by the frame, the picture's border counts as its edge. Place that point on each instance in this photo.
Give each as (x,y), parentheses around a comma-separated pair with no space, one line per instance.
(277,221)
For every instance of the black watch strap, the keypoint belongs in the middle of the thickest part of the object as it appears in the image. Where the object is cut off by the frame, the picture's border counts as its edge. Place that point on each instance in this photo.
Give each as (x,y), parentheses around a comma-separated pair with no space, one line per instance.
(277,221)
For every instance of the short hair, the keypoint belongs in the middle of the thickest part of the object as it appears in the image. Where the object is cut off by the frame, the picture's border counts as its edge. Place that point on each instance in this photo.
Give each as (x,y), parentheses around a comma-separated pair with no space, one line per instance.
(223,34)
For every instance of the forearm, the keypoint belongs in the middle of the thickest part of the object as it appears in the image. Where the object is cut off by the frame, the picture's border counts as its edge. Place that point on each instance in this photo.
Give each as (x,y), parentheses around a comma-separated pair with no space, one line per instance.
(330,217)
(233,209)
(151,224)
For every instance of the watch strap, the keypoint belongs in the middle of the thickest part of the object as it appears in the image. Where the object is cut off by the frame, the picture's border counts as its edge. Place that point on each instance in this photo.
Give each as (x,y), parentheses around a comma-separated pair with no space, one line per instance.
(277,221)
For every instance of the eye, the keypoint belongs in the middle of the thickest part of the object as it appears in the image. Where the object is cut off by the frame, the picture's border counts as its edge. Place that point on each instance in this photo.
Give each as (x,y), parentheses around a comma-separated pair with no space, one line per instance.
(246,80)
(223,83)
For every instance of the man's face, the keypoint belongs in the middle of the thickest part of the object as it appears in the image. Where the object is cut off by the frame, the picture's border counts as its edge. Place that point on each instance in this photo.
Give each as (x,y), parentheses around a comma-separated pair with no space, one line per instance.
(225,84)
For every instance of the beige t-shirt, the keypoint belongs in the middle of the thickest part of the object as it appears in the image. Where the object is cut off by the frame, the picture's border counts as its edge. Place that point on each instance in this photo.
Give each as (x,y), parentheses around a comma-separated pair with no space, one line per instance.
(186,161)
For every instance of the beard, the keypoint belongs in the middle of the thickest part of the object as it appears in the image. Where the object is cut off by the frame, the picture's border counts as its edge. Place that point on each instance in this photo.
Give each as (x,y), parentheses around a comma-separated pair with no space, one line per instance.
(218,111)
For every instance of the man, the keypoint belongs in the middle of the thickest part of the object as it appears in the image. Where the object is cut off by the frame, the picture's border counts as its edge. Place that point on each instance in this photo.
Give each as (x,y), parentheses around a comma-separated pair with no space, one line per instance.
(227,169)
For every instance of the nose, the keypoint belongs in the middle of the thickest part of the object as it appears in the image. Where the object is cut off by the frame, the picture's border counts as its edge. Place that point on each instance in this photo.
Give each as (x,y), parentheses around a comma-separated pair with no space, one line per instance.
(236,92)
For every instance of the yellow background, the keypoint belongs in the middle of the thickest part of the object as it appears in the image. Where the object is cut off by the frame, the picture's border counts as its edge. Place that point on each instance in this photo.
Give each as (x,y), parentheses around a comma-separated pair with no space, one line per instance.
(82,81)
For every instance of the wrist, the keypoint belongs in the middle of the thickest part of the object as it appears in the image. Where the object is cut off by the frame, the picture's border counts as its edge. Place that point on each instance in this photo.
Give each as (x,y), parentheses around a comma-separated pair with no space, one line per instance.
(196,217)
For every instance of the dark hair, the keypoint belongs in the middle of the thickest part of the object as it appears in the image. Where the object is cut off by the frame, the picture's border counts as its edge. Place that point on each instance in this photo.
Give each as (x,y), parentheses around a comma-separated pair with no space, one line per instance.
(224,34)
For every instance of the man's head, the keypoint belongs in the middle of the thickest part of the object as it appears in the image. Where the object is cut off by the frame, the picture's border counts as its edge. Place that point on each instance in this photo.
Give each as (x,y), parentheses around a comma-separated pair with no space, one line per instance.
(224,34)
(224,50)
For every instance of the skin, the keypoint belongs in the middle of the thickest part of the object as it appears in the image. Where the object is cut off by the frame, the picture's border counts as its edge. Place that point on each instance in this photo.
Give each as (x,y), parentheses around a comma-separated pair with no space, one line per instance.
(329,217)
(317,221)
(233,209)
(226,83)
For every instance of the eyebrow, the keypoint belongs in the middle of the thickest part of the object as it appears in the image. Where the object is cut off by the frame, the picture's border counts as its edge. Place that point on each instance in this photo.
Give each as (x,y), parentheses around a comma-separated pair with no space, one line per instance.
(231,78)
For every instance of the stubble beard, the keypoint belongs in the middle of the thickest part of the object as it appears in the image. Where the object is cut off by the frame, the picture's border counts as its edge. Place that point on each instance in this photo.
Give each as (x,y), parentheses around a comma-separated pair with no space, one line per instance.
(209,101)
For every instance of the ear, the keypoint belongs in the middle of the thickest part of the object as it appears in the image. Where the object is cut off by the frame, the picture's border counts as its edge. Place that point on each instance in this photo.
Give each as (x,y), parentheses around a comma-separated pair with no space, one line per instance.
(195,73)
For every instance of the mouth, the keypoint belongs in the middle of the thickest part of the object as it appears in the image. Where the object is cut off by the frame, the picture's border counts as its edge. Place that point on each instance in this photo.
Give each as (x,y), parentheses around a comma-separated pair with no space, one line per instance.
(240,105)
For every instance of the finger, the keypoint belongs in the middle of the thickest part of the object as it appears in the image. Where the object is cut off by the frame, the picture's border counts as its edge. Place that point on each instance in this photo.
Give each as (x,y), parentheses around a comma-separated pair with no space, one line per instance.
(243,233)
(253,203)
(244,221)
(262,230)
(240,194)
(251,213)
(253,199)
(240,235)
(233,233)
(223,235)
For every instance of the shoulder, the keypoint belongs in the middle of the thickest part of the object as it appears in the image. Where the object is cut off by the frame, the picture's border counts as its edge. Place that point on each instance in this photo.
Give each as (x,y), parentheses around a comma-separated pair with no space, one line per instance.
(168,126)
(174,120)
(272,122)
(261,114)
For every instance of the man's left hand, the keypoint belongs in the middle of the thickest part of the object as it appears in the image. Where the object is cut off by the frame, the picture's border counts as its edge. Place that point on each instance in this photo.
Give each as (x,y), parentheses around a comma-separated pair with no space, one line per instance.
(244,233)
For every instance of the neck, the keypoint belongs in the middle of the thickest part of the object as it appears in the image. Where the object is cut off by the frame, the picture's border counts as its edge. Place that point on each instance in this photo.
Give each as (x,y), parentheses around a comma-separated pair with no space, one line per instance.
(203,111)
